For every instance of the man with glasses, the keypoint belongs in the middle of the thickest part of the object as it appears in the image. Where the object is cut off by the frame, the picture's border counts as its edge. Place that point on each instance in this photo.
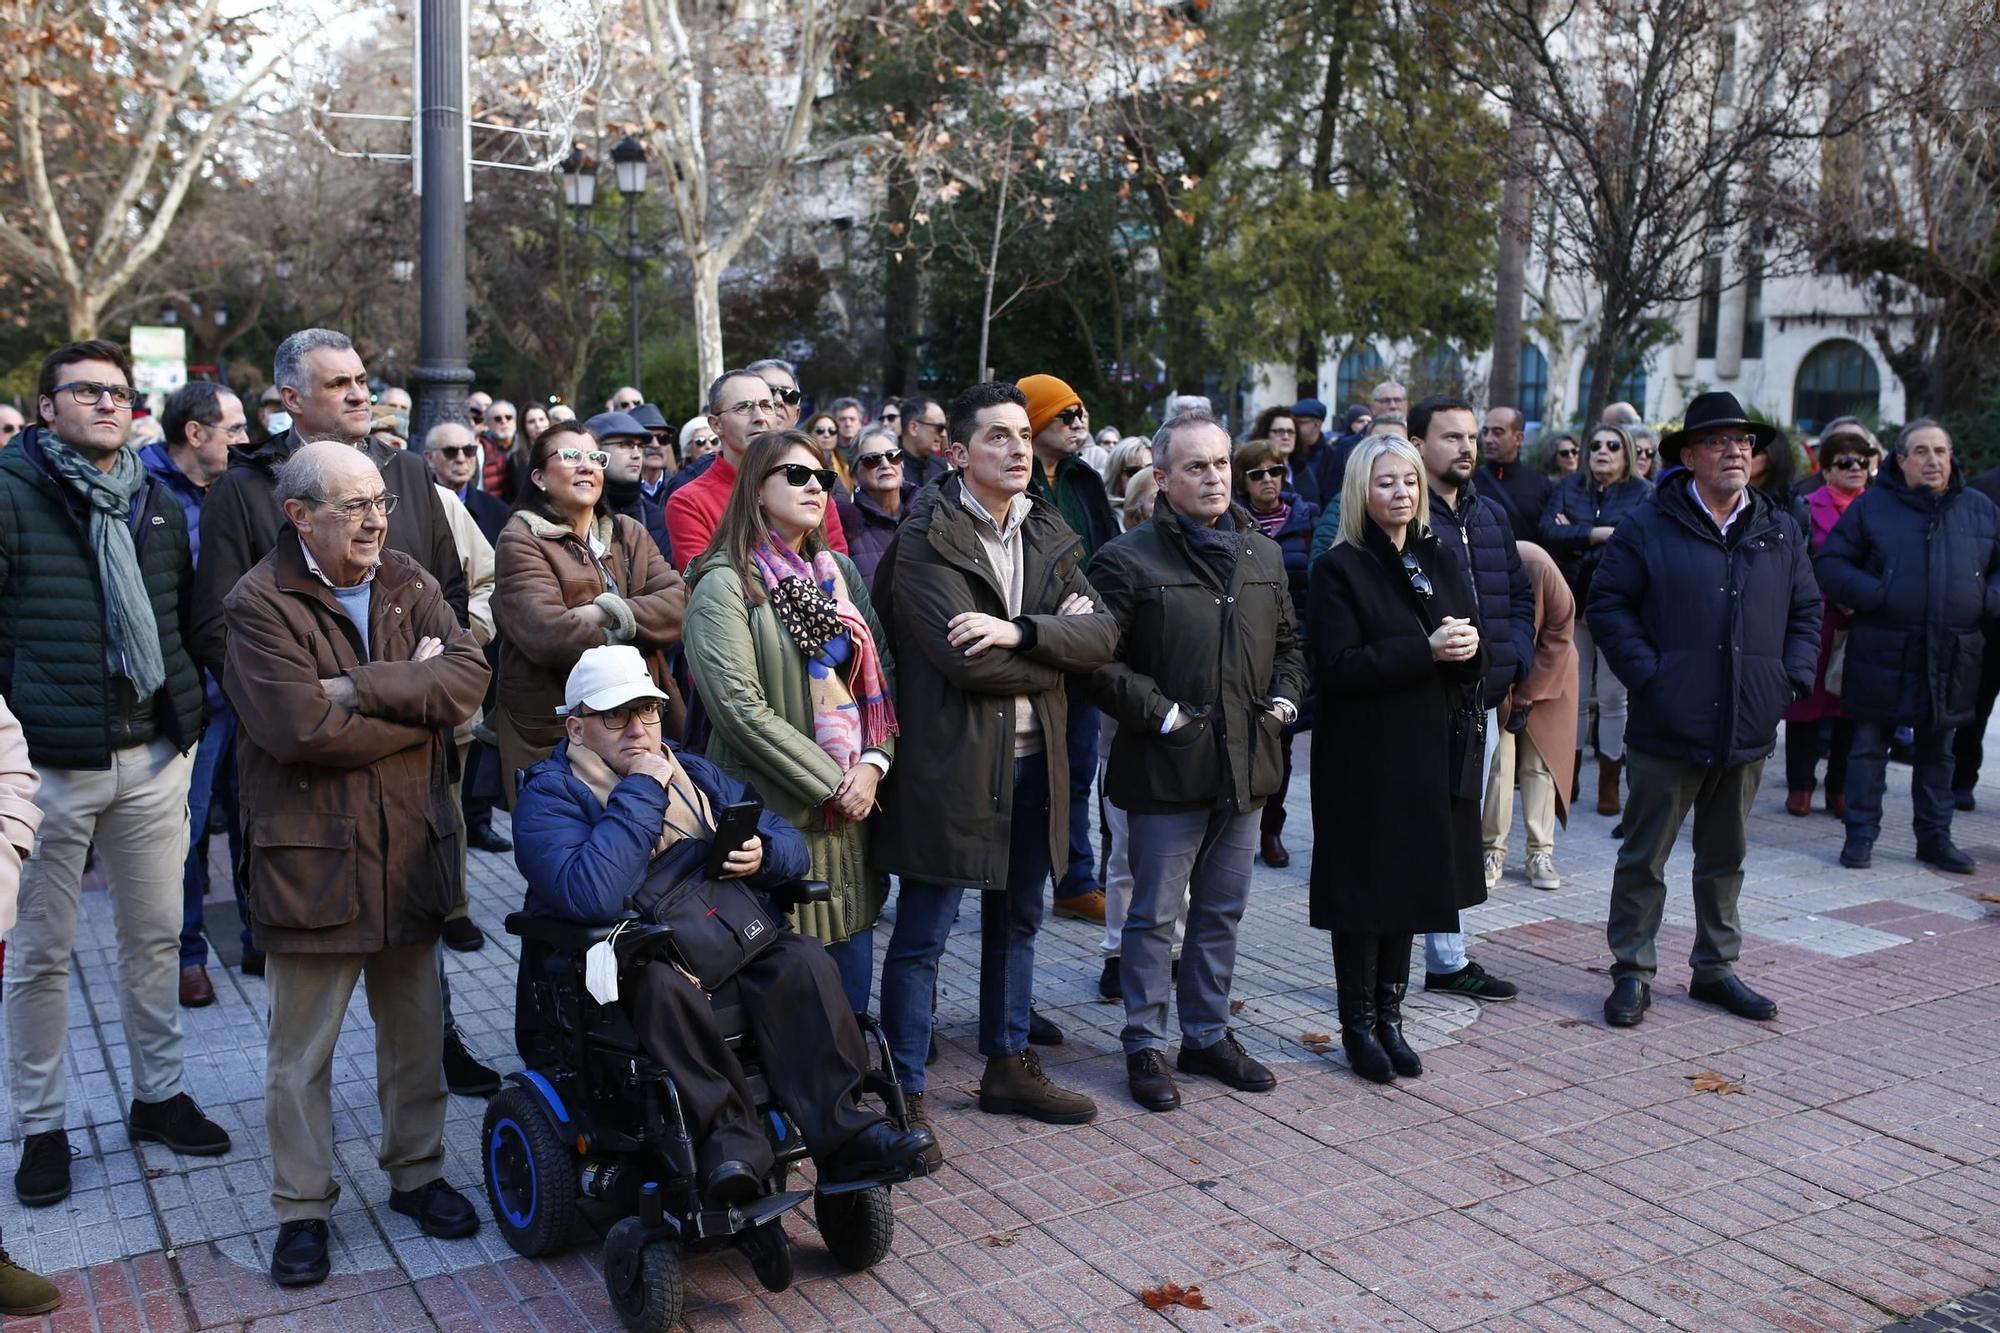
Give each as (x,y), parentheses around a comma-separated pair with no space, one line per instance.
(624,400)
(924,427)
(870,519)
(1917,559)
(349,672)
(11,424)
(1061,427)
(203,421)
(95,566)
(496,441)
(624,441)
(741,406)
(1705,606)
(659,462)
(782,380)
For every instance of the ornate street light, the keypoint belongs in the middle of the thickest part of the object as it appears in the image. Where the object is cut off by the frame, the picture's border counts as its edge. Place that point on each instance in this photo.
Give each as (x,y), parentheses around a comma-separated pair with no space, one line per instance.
(579,175)
(579,183)
(628,157)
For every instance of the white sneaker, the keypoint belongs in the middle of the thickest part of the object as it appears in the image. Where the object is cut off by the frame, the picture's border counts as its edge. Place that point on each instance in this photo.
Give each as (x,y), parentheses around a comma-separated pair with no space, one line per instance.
(1496,862)
(1542,871)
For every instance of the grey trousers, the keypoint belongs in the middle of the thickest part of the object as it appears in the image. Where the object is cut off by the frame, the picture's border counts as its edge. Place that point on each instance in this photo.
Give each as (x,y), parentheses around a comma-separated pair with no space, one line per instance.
(309,995)
(1662,791)
(136,813)
(1206,854)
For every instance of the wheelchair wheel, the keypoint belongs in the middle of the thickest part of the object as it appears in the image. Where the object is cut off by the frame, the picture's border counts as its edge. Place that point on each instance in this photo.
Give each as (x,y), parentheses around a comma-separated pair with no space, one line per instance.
(858,1228)
(643,1278)
(530,1175)
(770,1253)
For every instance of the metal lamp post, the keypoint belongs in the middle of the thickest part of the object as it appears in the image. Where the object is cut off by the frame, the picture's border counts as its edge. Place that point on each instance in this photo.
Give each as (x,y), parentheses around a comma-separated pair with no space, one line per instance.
(443,373)
(579,173)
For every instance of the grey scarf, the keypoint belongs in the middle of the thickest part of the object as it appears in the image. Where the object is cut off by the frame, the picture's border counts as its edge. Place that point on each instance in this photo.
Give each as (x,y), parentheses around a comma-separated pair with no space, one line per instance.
(134,650)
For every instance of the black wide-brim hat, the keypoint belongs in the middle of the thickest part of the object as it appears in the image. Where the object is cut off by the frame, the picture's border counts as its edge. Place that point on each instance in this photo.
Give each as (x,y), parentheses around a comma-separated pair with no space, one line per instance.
(1714,409)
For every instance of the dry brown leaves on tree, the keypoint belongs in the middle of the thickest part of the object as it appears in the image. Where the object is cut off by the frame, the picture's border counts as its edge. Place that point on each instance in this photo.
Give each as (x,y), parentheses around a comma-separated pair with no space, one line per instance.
(1173,1293)
(1710,1081)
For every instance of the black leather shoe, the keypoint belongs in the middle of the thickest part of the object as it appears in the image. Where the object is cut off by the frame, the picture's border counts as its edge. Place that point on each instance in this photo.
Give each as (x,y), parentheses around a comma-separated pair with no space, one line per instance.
(1857,853)
(731,1182)
(43,1176)
(1366,1056)
(1151,1082)
(1402,1058)
(1109,985)
(486,840)
(1628,1002)
(1733,995)
(463,935)
(1227,1062)
(178,1123)
(298,1259)
(1946,856)
(439,1209)
(879,1152)
(1041,1032)
(463,1072)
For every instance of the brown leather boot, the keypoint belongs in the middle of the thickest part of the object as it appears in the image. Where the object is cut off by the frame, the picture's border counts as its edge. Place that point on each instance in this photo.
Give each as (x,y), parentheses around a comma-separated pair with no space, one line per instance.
(1016,1085)
(1607,785)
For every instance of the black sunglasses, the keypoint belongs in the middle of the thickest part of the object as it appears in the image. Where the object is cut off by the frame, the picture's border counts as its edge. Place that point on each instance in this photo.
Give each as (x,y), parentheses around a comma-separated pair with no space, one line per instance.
(876,460)
(1565,453)
(798,474)
(1418,579)
(1850,463)
(458,450)
(1070,416)
(1263,473)
(789,397)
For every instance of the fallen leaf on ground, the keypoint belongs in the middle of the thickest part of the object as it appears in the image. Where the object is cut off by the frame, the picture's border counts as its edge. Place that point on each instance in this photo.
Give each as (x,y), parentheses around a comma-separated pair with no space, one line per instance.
(1984,897)
(1236,1006)
(1003,1238)
(1319,1043)
(1710,1081)
(1173,1293)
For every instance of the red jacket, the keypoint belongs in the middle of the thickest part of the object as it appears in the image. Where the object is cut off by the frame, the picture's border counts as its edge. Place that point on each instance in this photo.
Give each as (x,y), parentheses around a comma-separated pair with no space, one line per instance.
(695,509)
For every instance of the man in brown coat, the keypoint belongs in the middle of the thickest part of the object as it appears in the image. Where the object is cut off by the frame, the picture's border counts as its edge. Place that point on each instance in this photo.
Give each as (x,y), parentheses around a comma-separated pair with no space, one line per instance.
(348,671)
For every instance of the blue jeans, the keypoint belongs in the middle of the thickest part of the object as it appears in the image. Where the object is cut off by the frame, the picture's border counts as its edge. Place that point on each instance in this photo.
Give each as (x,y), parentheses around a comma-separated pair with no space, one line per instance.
(1008,921)
(855,958)
(1207,855)
(1080,877)
(1930,782)
(214,779)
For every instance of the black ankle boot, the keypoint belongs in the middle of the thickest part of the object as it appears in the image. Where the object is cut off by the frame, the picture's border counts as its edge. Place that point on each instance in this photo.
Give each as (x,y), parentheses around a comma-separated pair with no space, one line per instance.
(1354,978)
(1389,993)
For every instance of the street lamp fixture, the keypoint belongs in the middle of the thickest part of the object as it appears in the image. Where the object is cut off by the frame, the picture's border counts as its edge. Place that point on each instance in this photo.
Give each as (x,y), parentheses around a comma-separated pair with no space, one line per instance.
(401,271)
(628,157)
(579,175)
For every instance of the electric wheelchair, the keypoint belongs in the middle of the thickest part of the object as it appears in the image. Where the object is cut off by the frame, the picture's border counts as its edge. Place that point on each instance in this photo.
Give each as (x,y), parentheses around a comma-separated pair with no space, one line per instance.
(591,1134)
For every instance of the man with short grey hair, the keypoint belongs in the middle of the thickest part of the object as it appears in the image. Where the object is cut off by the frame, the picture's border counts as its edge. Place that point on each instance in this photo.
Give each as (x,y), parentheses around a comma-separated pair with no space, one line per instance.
(782,377)
(323,386)
(624,400)
(1202,701)
(1389,396)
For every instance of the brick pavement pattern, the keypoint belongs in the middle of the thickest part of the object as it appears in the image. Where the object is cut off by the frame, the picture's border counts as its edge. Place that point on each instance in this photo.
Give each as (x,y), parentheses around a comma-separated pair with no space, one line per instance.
(1545,1172)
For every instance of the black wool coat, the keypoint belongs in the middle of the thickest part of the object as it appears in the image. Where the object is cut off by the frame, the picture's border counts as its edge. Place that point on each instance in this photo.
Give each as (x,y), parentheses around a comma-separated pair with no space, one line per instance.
(1394,851)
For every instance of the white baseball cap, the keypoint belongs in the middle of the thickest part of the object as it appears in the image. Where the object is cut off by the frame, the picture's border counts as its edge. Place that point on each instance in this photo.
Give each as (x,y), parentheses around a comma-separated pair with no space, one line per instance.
(608,677)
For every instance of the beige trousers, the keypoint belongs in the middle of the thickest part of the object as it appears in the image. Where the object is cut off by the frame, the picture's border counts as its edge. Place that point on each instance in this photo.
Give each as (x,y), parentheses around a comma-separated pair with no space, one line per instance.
(309,995)
(1538,796)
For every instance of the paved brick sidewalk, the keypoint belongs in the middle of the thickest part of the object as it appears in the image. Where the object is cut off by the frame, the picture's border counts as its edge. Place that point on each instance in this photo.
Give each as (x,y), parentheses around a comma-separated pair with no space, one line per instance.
(1545,1172)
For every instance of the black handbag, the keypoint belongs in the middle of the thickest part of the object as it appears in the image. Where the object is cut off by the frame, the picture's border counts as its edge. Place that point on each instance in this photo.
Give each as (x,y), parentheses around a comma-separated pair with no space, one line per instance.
(719,925)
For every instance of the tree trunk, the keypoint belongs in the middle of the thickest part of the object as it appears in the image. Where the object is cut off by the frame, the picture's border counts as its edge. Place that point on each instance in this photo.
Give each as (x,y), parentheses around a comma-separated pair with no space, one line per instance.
(83,310)
(1503,383)
(1603,371)
(706,269)
(901,309)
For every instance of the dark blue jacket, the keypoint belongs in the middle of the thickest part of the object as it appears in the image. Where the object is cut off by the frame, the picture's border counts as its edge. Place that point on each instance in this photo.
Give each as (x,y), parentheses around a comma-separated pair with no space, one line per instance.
(1295,544)
(168,473)
(582,859)
(1713,637)
(1921,572)
(1583,505)
(489,512)
(1483,538)
(1316,478)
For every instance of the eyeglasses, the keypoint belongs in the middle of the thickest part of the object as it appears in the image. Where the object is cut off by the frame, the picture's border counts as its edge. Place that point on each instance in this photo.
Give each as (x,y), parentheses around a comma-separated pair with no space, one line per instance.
(1846,462)
(892,418)
(617,719)
(1276,431)
(1607,446)
(826,430)
(889,456)
(355,510)
(798,474)
(1736,440)
(1418,579)
(1643,451)
(8,430)
(1071,416)
(459,450)
(573,456)
(751,406)
(932,425)
(1264,473)
(89,394)
(1565,453)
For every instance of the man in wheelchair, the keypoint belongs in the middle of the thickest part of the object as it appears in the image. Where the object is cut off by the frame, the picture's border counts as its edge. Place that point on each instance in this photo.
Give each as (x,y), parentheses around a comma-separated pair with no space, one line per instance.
(605,814)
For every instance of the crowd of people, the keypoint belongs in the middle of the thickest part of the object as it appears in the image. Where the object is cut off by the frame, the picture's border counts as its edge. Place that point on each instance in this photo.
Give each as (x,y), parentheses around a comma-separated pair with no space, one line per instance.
(938,650)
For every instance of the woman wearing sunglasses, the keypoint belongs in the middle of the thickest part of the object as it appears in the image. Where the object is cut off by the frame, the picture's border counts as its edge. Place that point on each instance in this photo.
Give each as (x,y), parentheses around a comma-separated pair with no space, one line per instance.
(1818,722)
(1581,516)
(1397,665)
(825,432)
(786,651)
(1561,455)
(568,575)
(871,518)
(1287,519)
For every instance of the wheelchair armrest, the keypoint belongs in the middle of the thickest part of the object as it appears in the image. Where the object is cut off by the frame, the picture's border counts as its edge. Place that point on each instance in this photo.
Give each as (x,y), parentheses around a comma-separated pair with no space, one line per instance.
(641,942)
(637,942)
(799,892)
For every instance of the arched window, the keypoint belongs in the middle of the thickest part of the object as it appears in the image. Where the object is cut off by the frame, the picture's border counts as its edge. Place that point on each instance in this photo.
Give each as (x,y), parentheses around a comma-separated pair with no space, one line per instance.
(1360,371)
(1437,370)
(1837,379)
(1534,395)
(1631,389)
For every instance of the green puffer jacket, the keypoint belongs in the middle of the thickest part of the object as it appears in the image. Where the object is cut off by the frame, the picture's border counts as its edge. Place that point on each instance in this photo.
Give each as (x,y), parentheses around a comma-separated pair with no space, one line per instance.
(52,667)
(751,677)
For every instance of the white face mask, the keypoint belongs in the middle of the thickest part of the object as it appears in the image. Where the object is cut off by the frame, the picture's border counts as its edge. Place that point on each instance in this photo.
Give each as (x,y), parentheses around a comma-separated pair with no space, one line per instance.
(278,422)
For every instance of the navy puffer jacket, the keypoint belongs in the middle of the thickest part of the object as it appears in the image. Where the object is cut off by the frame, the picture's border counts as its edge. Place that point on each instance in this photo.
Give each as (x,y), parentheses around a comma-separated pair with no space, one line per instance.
(1294,541)
(1921,572)
(1578,505)
(1713,636)
(1484,538)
